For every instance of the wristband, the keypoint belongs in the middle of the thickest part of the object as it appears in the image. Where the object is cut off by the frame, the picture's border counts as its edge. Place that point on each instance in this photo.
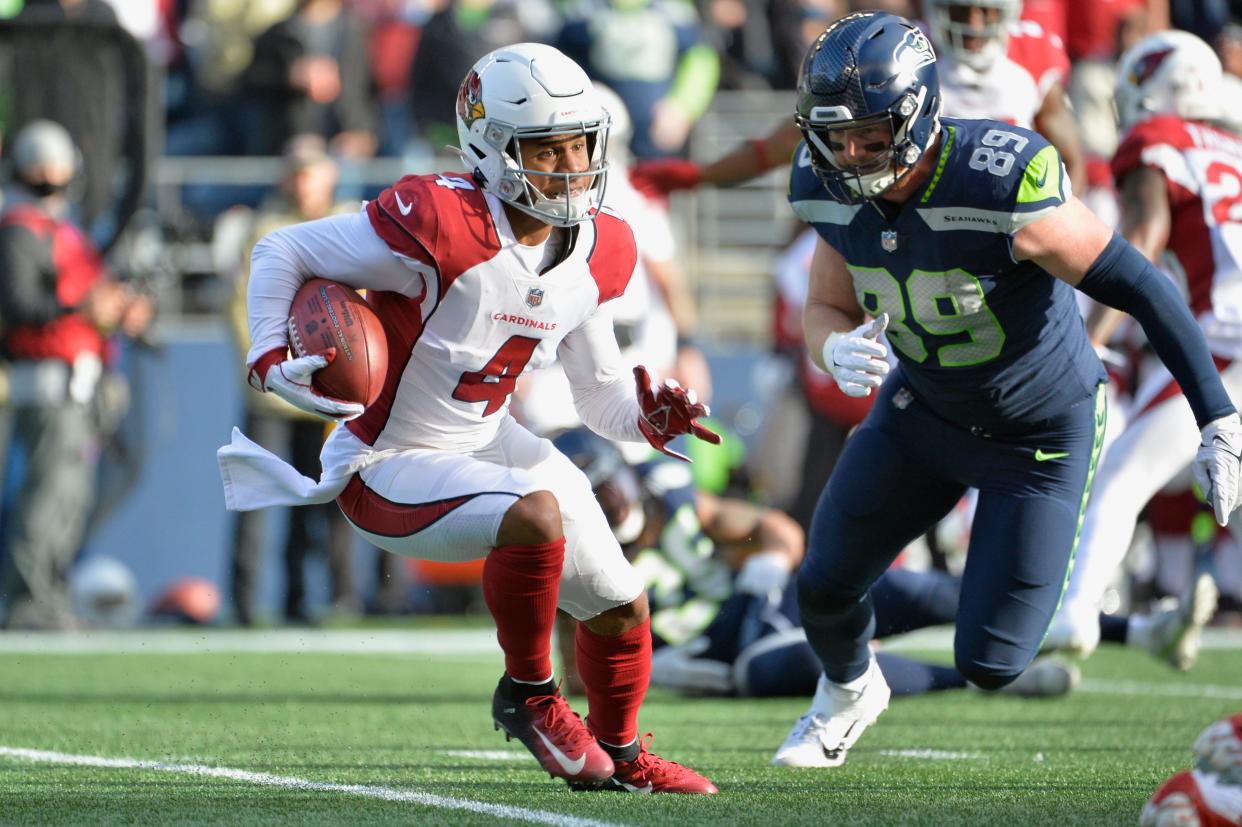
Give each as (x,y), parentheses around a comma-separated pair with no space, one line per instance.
(829,345)
(258,371)
(760,149)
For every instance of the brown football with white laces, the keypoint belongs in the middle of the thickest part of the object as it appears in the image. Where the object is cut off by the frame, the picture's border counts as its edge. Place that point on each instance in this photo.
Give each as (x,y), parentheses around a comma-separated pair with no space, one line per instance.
(329,315)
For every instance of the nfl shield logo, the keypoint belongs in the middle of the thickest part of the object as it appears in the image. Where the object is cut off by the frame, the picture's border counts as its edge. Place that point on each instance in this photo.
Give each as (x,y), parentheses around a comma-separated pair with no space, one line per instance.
(534,297)
(888,240)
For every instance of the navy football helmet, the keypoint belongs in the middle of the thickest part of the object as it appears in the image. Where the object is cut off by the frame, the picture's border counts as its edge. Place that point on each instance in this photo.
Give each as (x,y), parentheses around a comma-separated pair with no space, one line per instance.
(868,69)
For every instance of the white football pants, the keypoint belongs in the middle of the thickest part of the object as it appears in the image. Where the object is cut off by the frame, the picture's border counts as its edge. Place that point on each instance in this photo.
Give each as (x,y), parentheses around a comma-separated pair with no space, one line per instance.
(439,505)
(1157,446)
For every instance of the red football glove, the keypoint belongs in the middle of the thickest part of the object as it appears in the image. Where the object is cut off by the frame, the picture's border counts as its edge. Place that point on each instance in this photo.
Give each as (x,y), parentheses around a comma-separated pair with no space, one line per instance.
(669,412)
(656,179)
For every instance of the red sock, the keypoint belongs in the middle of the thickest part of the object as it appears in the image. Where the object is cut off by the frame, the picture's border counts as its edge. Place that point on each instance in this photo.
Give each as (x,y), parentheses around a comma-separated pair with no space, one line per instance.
(616,671)
(520,584)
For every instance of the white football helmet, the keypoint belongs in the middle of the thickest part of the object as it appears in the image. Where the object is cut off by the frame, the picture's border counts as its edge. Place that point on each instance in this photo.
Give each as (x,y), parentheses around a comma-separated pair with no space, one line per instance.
(527,91)
(621,126)
(950,35)
(1169,73)
(104,593)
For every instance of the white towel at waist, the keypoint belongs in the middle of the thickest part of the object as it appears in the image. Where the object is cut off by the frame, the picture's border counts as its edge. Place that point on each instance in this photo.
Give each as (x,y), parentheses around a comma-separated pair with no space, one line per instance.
(256,478)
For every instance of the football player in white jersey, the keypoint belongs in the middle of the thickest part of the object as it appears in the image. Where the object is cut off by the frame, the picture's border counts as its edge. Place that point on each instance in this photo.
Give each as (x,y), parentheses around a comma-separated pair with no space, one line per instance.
(477,279)
(1179,176)
(993,65)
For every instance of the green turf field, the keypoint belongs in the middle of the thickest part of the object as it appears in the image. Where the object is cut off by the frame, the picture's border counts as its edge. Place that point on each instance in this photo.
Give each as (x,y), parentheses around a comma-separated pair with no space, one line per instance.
(388,738)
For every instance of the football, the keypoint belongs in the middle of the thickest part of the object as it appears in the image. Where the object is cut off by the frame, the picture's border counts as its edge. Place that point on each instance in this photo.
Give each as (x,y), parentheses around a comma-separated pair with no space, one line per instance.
(327,314)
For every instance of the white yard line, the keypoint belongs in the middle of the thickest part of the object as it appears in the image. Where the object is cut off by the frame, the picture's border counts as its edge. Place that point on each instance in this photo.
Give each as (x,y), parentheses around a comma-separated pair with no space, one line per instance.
(231,641)
(941,637)
(291,783)
(931,754)
(486,754)
(1159,689)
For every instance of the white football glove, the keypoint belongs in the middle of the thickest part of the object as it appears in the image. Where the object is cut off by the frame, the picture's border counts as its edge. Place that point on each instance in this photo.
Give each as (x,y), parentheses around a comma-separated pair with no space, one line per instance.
(857,361)
(764,574)
(1216,466)
(291,381)
(680,668)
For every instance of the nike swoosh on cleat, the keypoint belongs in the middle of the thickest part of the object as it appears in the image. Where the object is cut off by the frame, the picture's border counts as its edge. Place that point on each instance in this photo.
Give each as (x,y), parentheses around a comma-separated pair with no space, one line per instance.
(571,767)
(1041,456)
(634,789)
(834,752)
(401,205)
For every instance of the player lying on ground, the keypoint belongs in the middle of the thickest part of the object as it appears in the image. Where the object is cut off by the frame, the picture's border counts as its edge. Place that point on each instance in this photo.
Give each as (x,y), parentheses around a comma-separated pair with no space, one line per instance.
(724,615)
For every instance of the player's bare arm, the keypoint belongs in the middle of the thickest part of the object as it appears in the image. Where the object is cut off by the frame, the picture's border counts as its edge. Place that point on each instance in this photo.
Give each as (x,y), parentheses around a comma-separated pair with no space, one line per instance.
(1055,121)
(1065,243)
(740,528)
(754,157)
(1146,218)
(1146,223)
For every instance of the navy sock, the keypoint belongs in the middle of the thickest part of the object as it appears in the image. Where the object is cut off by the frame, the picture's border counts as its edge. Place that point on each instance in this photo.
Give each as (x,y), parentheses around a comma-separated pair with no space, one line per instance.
(1114,628)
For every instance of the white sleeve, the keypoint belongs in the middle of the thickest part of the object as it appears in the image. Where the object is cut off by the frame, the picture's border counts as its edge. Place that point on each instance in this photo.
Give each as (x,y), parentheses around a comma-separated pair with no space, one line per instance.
(603,387)
(343,248)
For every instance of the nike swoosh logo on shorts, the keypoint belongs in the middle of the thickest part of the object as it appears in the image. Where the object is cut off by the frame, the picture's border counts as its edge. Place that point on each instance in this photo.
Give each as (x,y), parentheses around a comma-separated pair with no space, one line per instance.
(401,205)
(1040,456)
(571,767)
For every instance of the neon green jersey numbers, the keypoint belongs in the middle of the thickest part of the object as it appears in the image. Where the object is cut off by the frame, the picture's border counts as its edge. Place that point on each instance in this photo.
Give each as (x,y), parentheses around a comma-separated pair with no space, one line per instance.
(952,303)
(946,306)
(878,292)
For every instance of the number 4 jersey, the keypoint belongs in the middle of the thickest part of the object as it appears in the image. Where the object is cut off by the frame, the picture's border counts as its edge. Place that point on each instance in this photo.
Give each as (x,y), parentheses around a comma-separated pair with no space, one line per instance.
(984,340)
(487,310)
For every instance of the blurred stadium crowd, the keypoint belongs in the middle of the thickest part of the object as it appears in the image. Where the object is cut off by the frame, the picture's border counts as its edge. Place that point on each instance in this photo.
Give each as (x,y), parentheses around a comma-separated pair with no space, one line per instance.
(190,128)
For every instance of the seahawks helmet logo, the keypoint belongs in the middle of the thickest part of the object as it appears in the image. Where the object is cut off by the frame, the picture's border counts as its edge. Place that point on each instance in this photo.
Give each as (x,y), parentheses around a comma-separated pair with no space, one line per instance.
(913,52)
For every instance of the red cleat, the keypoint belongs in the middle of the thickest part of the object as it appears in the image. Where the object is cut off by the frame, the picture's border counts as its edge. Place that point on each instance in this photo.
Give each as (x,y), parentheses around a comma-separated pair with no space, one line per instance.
(555,735)
(649,773)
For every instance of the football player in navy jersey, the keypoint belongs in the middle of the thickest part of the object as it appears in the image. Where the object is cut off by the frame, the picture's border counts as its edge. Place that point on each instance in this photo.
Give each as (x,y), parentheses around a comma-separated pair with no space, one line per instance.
(724,614)
(961,240)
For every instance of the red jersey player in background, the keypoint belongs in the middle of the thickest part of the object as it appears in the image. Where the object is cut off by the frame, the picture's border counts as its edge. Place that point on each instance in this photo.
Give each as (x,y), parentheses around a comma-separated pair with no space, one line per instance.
(478,279)
(995,65)
(1179,176)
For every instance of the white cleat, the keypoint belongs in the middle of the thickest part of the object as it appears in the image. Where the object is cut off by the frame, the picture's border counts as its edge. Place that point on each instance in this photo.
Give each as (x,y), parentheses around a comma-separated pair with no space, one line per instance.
(1044,678)
(1077,637)
(1175,634)
(836,720)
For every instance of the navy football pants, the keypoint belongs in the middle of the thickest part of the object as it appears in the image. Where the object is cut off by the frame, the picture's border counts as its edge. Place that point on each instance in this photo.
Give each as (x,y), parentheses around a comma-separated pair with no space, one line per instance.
(900,473)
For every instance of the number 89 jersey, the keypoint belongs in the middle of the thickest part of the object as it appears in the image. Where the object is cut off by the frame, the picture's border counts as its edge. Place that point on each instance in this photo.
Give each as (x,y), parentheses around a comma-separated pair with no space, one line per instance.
(985,341)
